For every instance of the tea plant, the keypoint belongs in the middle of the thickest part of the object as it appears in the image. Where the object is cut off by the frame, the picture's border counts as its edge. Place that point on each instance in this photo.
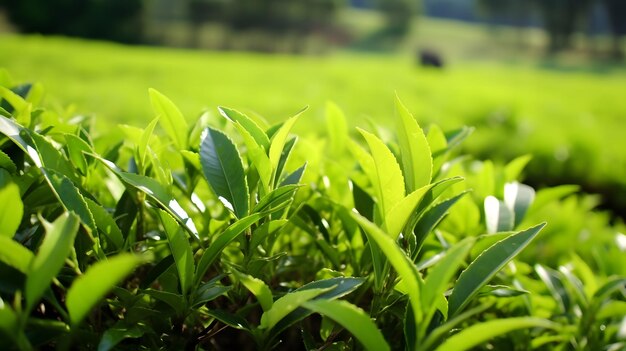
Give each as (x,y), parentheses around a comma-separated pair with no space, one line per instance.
(226,233)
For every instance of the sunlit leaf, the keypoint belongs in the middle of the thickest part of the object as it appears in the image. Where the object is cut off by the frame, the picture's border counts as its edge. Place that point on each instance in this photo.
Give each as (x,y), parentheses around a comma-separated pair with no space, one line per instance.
(88,289)
(388,181)
(181,250)
(257,287)
(353,319)
(417,161)
(51,255)
(171,119)
(248,124)
(13,208)
(337,128)
(485,331)
(287,304)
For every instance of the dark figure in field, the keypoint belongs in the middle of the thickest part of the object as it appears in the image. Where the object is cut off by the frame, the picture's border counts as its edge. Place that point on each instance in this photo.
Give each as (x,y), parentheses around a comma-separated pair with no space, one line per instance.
(430,58)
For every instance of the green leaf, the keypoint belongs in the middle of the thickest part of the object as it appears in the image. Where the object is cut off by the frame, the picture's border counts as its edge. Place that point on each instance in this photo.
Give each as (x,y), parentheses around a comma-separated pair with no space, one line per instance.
(284,156)
(10,325)
(398,259)
(13,131)
(439,276)
(12,208)
(75,147)
(387,181)
(51,158)
(402,211)
(258,156)
(294,177)
(175,301)
(88,289)
(276,199)
(216,247)
(514,168)
(223,170)
(208,292)
(20,106)
(181,250)
(337,128)
(353,319)
(417,161)
(287,304)
(120,331)
(56,246)
(171,119)
(70,197)
(482,332)
(106,224)
(485,266)
(498,217)
(553,281)
(15,255)
(7,163)
(156,192)
(257,287)
(248,124)
(427,222)
(142,147)
(229,319)
(339,287)
(278,142)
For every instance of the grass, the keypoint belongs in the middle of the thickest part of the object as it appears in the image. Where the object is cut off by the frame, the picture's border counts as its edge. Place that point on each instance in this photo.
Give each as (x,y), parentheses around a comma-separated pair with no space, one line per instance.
(570,119)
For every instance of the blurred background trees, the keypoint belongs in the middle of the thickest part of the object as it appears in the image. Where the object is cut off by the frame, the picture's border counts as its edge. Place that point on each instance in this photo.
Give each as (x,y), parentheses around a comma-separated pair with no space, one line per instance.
(287,25)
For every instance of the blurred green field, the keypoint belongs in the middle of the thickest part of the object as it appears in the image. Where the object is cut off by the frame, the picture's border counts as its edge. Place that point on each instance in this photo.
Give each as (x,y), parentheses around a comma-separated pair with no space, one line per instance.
(572,120)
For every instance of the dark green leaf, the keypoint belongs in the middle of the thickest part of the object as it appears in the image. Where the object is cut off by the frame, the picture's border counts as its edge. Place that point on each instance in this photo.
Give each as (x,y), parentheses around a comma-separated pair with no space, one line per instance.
(223,170)
(485,266)
(284,156)
(106,224)
(294,177)
(118,332)
(70,197)
(7,163)
(427,222)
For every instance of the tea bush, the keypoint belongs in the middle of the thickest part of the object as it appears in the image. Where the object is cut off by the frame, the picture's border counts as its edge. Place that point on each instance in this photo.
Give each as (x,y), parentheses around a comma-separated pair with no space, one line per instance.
(230,233)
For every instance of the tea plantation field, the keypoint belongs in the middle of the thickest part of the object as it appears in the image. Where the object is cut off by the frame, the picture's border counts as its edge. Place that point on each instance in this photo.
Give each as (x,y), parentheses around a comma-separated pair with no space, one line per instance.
(377,222)
(571,120)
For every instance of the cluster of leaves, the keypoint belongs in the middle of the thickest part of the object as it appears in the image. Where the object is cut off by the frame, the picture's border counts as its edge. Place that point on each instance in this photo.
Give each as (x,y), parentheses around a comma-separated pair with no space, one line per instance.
(201,238)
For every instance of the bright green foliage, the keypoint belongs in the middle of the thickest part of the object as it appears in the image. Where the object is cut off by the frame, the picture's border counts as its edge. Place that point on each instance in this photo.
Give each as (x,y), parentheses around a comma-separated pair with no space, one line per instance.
(51,256)
(11,215)
(353,319)
(171,118)
(235,233)
(87,290)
